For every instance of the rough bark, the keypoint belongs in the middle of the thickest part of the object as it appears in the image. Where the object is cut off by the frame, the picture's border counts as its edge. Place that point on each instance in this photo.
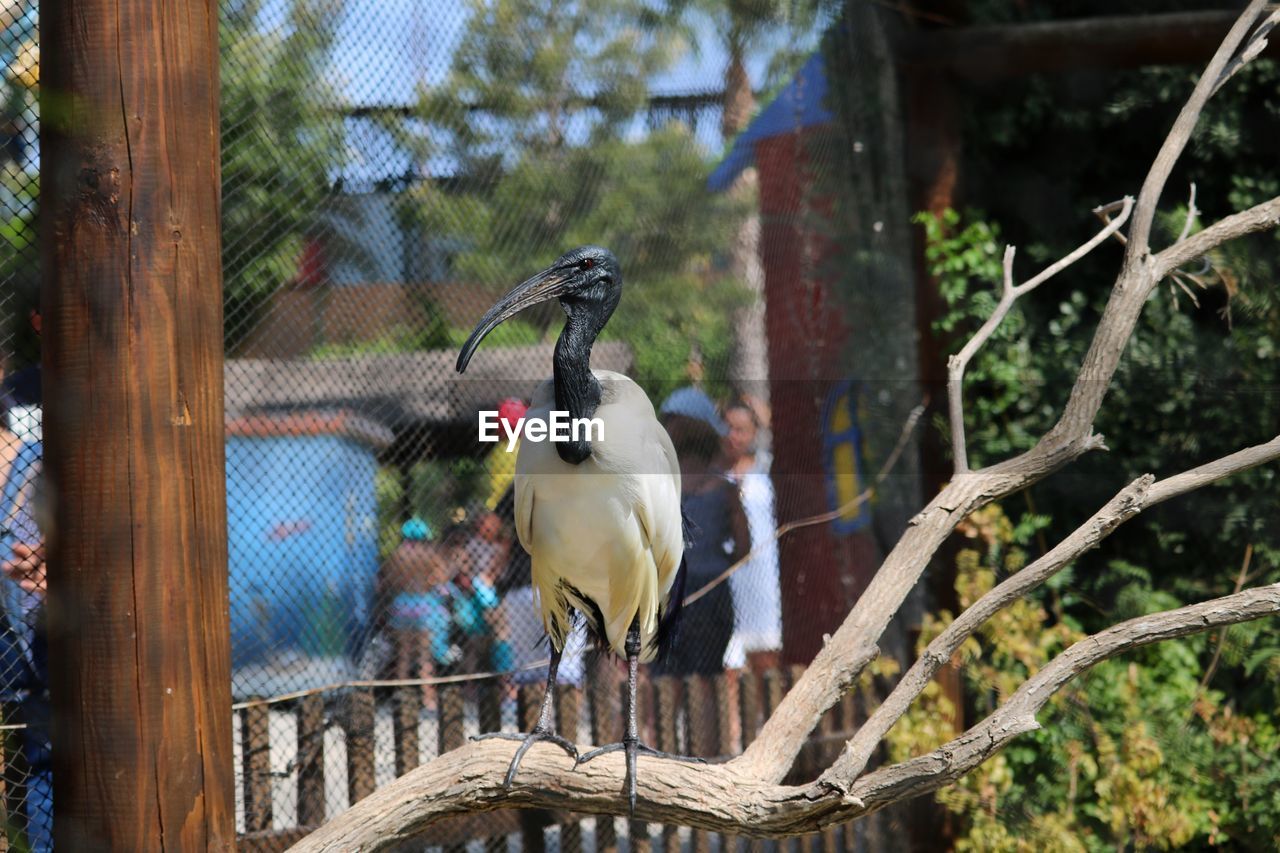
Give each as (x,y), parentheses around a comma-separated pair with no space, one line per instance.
(718,797)
(743,796)
(134,430)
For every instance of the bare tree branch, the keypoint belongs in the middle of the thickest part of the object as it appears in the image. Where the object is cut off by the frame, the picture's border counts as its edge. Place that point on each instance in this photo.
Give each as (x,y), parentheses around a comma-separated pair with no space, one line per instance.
(1142,493)
(862,745)
(1251,50)
(1260,217)
(1192,213)
(743,796)
(1234,463)
(957,757)
(1104,211)
(1126,206)
(957,364)
(718,797)
(1176,141)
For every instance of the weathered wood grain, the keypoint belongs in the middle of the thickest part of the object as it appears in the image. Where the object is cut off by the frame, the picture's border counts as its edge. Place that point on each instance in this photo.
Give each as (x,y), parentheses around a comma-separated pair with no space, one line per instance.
(133,423)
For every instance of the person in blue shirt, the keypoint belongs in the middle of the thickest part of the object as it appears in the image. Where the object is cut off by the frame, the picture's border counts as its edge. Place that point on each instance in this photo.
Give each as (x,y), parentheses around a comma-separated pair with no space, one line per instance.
(475,598)
(416,586)
(24,666)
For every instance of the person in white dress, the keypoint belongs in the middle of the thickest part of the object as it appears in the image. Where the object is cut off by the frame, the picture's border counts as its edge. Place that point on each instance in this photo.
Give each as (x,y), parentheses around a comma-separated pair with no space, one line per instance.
(757,634)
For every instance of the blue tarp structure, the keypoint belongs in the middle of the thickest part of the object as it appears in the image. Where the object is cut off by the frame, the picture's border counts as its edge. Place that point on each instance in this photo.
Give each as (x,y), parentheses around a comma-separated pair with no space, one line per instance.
(799,105)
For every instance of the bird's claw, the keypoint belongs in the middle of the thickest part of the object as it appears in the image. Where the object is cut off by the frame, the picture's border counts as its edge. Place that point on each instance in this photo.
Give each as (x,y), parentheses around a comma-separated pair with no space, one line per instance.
(643,749)
(526,741)
(632,749)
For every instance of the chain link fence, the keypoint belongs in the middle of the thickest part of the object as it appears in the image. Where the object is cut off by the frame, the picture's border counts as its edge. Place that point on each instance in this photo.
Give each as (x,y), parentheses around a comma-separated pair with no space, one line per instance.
(390,169)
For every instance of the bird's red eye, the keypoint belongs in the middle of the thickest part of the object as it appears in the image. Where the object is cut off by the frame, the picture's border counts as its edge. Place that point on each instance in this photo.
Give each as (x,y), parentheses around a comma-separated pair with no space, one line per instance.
(588,264)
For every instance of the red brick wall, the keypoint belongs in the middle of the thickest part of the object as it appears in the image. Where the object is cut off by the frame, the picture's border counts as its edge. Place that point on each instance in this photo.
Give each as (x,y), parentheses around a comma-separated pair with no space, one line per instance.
(822,573)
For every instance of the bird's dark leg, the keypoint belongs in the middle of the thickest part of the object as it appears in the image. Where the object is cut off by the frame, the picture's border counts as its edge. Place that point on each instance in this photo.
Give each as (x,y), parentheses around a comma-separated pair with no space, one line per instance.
(631,740)
(543,731)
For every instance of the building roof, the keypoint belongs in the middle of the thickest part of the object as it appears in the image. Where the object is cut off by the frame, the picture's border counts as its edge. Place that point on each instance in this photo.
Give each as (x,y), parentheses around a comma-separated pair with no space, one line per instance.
(399,389)
(323,422)
(801,104)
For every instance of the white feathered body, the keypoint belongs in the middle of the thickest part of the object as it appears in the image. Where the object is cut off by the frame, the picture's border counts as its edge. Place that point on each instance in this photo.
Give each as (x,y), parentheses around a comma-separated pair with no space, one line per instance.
(605,536)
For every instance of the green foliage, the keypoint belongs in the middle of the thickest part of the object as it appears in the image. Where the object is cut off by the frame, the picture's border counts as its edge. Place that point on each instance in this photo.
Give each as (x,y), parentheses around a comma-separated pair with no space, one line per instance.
(1170,746)
(1001,416)
(524,68)
(18,230)
(440,492)
(281,143)
(19,262)
(389,494)
(1136,753)
(781,30)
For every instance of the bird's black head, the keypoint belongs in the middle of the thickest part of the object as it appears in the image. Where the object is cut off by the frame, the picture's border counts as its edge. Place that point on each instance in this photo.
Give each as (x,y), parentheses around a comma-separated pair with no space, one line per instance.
(586,280)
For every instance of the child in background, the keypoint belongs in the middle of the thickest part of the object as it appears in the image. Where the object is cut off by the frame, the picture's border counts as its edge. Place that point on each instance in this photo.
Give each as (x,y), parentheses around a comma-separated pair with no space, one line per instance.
(416,576)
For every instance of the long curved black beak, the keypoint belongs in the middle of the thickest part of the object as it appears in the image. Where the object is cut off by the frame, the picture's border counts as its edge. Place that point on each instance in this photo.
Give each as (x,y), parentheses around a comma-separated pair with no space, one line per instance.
(547,284)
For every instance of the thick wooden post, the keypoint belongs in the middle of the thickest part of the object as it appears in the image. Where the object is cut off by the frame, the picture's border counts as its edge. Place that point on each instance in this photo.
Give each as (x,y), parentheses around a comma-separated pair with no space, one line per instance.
(132,311)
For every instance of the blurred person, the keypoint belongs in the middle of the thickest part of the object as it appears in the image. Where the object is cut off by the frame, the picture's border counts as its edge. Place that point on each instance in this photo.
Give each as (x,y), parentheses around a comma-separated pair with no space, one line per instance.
(474,597)
(521,636)
(757,633)
(415,583)
(501,463)
(718,536)
(24,664)
(26,674)
(718,533)
(487,546)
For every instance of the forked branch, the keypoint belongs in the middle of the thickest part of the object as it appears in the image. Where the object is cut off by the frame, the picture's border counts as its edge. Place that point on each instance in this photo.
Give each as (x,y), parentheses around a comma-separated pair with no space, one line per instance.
(718,797)
(1009,294)
(1260,217)
(1017,715)
(744,796)
(1141,494)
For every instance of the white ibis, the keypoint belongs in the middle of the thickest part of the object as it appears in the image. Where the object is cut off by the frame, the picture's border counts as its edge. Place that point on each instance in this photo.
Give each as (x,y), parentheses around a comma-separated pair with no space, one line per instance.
(600,518)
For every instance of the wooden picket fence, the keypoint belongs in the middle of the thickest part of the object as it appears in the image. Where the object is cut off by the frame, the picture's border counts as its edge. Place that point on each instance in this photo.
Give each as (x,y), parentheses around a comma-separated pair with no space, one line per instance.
(710,717)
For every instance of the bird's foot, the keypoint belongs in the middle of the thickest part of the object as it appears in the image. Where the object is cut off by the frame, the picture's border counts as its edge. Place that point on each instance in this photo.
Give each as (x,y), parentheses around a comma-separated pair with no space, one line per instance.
(632,749)
(527,740)
(640,748)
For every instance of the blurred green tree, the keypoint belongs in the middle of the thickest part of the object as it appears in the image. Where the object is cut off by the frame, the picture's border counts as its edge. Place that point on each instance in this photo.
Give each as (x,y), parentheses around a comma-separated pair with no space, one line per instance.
(282,143)
(537,122)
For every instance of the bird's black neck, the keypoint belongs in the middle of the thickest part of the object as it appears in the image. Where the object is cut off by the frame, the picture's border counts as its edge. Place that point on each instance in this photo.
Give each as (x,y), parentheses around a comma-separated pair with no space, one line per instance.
(577,391)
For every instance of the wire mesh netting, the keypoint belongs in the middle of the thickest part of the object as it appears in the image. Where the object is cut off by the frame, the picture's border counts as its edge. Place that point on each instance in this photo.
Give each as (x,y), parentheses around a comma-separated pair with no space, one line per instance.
(389,170)
(24,708)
